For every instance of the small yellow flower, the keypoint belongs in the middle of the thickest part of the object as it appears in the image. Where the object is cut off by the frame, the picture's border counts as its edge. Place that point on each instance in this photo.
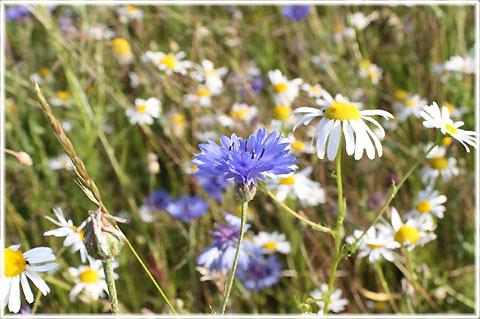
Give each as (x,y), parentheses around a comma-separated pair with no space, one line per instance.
(121,47)
(400,95)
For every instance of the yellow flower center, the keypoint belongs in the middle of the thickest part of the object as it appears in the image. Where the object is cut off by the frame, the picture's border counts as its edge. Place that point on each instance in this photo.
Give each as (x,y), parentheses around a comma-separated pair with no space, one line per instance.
(44,72)
(298,146)
(451,129)
(373,74)
(410,103)
(446,141)
(63,95)
(424,206)
(439,163)
(337,28)
(325,58)
(406,232)
(131,9)
(449,106)
(365,64)
(204,92)
(89,276)
(141,108)
(169,61)
(400,95)
(342,111)
(15,263)
(280,87)
(281,112)
(211,72)
(239,114)
(120,46)
(374,246)
(287,180)
(177,120)
(80,233)
(270,245)
(315,89)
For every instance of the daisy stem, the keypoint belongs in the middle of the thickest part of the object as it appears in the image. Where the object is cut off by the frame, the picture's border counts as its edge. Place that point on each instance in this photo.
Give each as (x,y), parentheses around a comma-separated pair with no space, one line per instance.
(413,275)
(234,267)
(36,303)
(315,226)
(112,290)
(340,217)
(385,287)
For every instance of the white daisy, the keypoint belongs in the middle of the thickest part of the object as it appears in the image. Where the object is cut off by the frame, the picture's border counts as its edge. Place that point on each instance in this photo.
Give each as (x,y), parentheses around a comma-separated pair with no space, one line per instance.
(315,91)
(62,98)
(413,233)
(413,104)
(129,13)
(434,118)
(169,62)
(297,146)
(375,244)
(99,32)
(323,60)
(459,64)
(454,111)
(339,33)
(243,112)
(438,165)
(336,303)
(285,91)
(440,71)
(147,214)
(371,71)
(203,96)
(429,203)
(62,161)
(90,279)
(358,20)
(298,185)
(174,123)
(334,113)
(212,77)
(144,111)
(73,236)
(122,50)
(272,242)
(20,266)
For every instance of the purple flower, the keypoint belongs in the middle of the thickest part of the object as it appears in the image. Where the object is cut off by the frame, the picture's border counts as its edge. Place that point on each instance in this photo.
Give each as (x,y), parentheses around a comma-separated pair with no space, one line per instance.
(257,84)
(214,185)
(158,199)
(221,253)
(245,160)
(187,208)
(296,12)
(262,272)
(17,12)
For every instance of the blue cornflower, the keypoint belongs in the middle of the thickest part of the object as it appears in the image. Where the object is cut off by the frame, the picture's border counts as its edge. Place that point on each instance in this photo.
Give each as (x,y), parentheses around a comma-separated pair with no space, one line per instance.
(187,208)
(296,12)
(158,199)
(221,253)
(214,185)
(262,272)
(245,161)
(257,84)
(16,12)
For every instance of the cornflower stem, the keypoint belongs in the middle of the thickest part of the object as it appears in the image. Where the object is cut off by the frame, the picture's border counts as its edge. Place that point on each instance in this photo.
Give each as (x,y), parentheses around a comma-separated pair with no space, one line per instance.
(395,190)
(112,290)
(36,303)
(235,261)
(336,234)
(295,214)
(385,287)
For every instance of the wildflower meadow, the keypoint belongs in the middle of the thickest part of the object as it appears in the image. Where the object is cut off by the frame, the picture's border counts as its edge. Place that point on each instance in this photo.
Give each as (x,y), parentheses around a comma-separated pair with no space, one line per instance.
(239,159)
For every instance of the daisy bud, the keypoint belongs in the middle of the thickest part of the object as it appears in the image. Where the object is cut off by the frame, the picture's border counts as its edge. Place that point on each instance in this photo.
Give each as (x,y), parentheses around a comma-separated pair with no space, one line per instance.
(24,159)
(153,166)
(245,193)
(102,239)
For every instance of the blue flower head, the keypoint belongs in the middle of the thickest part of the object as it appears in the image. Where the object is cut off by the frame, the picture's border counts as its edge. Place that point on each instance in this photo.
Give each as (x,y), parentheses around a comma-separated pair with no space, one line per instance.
(245,160)
(187,208)
(158,199)
(16,12)
(262,272)
(221,253)
(214,185)
(296,12)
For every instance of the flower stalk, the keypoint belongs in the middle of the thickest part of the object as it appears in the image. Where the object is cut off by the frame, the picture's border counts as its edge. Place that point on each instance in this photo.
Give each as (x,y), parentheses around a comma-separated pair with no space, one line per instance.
(237,252)
(112,290)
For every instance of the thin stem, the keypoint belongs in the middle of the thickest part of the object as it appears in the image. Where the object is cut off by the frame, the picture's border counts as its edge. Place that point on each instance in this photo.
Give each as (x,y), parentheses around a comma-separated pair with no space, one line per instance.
(112,290)
(234,267)
(340,217)
(36,303)
(315,226)
(413,275)
(385,287)
(395,190)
